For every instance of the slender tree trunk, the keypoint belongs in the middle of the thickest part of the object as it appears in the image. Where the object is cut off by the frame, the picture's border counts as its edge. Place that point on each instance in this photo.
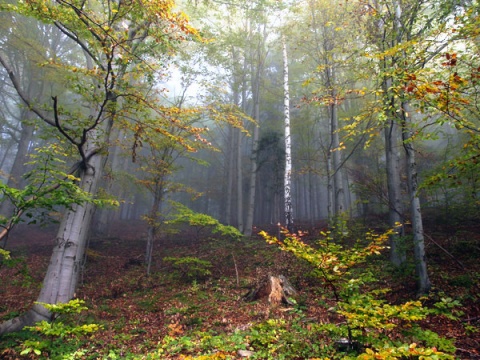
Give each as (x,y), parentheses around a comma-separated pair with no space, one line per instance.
(330,187)
(256,80)
(253,174)
(6,154)
(229,168)
(395,207)
(339,191)
(424,284)
(313,198)
(153,226)
(288,142)
(239,173)
(34,91)
(237,147)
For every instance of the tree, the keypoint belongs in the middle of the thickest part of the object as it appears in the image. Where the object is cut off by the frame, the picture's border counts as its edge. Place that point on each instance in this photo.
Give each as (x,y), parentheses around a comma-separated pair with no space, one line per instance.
(401,37)
(159,161)
(288,145)
(119,40)
(258,58)
(448,90)
(329,47)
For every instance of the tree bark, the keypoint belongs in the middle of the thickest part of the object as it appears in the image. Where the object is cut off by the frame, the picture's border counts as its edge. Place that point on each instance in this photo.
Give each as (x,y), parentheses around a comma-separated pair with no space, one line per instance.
(288,142)
(256,79)
(395,207)
(63,271)
(424,284)
(253,180)
(153,227)
(229,168)
(274,289)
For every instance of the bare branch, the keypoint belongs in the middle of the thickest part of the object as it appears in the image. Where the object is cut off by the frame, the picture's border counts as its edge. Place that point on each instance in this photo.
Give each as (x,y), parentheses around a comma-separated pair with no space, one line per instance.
(23,96)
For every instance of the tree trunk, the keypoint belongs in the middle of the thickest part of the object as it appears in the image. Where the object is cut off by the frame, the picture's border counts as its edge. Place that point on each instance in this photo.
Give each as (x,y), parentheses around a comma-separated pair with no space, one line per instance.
(237,150)
(6,154)
(424,284)
(63,271)
(253,179)
(330,187)
(339,191)
(256,79)
(239,187)
(395,208)
(153,226)
(105,215)
(229,168)
(274,289)
(288,143)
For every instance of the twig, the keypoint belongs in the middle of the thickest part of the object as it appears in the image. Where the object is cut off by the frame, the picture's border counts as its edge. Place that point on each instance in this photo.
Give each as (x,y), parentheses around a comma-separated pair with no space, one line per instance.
(236,270)
(445,251)
(471,319)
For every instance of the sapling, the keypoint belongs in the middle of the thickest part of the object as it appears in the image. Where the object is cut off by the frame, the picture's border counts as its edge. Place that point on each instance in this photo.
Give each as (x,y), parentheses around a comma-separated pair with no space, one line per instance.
(61,331)
(369,321)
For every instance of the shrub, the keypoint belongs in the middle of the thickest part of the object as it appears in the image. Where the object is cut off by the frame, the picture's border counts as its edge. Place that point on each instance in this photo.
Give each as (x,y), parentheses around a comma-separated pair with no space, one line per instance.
(60,338)
(182,215)
(371,326)
(190,268)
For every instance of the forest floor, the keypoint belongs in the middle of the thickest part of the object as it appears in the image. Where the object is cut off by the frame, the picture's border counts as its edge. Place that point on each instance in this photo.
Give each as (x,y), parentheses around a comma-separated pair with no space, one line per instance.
(141,314)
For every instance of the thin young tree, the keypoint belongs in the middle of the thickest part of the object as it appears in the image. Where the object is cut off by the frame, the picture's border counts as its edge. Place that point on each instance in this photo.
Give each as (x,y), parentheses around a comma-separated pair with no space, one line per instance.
(288,142)
(402,36)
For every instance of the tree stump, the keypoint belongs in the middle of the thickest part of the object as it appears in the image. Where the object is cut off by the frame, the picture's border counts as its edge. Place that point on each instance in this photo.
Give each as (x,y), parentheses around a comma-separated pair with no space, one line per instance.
(275,289)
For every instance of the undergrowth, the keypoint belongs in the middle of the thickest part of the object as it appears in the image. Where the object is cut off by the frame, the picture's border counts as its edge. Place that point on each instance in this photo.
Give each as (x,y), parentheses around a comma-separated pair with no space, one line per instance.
(361,322)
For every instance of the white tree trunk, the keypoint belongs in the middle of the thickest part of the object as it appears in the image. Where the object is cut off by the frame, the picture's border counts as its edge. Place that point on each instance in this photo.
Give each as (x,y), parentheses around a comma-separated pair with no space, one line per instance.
(288,143)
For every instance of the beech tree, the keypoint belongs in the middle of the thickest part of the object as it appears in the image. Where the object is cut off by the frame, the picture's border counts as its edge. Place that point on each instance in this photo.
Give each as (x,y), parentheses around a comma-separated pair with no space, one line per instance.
(403,37)
(119,40)
(448,90)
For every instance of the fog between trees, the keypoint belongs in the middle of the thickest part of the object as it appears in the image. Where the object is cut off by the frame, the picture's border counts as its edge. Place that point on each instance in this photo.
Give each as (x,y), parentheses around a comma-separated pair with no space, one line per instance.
(383,112)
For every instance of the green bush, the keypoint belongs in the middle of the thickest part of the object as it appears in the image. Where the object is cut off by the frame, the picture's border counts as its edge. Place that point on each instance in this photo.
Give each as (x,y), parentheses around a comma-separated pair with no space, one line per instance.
(190,268)
(60,338)
(182,215)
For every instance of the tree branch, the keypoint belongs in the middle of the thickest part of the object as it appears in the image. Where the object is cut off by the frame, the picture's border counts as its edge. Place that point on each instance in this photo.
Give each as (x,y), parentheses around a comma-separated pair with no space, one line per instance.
(23,96)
